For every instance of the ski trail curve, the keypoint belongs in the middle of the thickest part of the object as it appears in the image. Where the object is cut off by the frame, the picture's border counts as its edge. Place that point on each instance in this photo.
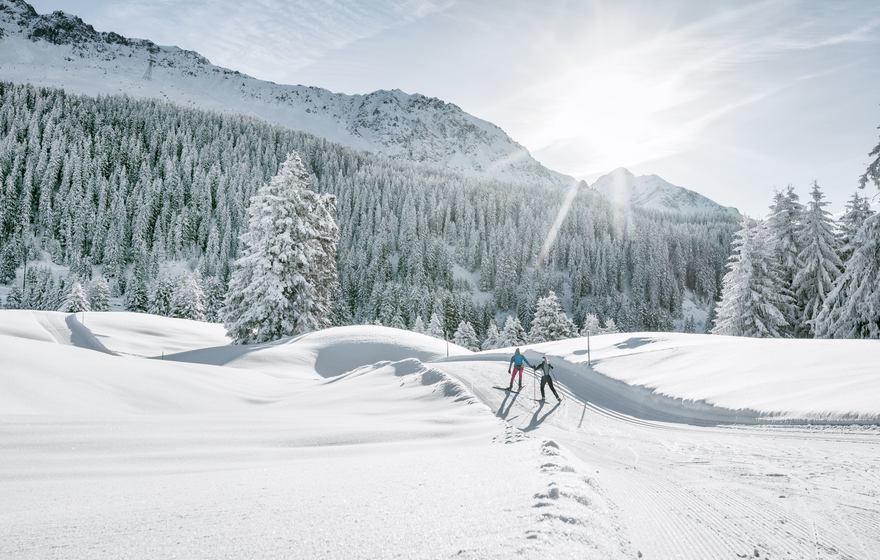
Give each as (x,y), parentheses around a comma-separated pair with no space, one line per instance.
(67,330)
(691,492)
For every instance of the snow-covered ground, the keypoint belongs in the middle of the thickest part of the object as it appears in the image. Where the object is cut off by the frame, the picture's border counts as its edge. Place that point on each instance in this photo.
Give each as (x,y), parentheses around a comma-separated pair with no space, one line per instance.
(126,435)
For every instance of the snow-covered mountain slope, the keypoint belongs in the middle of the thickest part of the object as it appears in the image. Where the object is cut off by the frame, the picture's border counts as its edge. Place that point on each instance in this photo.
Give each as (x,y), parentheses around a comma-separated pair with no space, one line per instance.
(650,191)
(61,50)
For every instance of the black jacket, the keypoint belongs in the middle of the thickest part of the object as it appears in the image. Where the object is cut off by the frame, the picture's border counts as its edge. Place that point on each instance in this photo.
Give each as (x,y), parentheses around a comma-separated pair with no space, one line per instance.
(544,367)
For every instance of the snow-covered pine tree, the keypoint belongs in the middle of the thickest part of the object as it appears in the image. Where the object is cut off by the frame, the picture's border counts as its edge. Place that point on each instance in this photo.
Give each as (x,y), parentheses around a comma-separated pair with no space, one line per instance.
(872,173)
(493,337)
(9,259)
(690,325)
(857,211)
(550,322)
(466,337)
(435,327)
(751,293)
(62,291)
(215,295)
(783,225)
(137,295)
(76,300)
(710,319)
(513,333)
(397,322)
(189,299)
(820,265)
(591,325)
(610,327)
(99,294)
(852,308)
(419,325)
(284,283)
(161,300)
(14,298)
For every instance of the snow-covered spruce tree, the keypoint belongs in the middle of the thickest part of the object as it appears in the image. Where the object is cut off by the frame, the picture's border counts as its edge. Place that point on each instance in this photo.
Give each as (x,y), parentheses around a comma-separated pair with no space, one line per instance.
(419,325)
(215,295)
(591,325)
(783,225)
(14,298)
(397,322)
(189,299)
(493,337)
(513,333)
(435,327)
(99,294)
(466,337)
(820,265)
(9,259)
(137,296)
(857,211)
(285,281)
(872,173)
(550,322)
(76,300)
(751,293)
(610,327)
(163,295)
(852,309)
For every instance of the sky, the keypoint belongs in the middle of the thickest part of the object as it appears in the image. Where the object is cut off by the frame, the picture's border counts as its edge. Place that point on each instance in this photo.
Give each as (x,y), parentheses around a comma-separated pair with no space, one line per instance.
(732,99)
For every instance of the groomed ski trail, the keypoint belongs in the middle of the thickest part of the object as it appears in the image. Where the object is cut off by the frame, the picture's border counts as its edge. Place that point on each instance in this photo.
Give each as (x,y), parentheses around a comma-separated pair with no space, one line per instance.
(706,491)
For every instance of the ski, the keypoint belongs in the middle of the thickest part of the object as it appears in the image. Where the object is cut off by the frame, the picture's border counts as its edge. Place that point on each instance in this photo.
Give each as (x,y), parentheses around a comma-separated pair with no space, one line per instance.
(506,389)
(546,402)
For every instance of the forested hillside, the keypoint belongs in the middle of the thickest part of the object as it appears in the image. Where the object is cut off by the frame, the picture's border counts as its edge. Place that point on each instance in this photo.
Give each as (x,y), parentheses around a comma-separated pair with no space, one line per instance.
(117,187)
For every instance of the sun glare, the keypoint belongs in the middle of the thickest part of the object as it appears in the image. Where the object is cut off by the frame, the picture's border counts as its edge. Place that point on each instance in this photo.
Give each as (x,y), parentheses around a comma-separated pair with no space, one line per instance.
(615,114)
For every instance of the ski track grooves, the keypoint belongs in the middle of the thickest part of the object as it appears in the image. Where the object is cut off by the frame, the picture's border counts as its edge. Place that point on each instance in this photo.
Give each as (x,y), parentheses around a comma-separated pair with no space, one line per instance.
(693,492)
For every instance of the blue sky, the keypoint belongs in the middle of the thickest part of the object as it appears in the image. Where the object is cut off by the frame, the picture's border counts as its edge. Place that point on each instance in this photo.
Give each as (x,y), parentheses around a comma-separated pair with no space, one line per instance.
(728,98)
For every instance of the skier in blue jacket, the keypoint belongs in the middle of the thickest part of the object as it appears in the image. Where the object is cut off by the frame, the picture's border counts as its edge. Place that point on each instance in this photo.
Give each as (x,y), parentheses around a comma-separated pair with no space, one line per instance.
(516,363)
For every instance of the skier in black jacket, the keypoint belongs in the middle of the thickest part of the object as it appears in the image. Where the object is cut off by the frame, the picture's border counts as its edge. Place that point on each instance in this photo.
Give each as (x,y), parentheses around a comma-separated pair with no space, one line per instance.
(545,368)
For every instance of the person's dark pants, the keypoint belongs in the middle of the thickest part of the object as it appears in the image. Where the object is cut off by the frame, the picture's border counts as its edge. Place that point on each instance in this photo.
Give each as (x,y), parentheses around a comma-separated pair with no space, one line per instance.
(544,381)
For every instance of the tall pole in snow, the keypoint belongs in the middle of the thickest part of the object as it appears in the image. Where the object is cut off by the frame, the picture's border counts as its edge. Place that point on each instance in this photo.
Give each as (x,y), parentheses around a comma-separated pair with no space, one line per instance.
(589,364)
(24,275)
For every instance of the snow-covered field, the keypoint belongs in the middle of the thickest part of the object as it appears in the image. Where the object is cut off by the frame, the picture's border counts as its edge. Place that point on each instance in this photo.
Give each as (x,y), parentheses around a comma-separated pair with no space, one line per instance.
(126,435)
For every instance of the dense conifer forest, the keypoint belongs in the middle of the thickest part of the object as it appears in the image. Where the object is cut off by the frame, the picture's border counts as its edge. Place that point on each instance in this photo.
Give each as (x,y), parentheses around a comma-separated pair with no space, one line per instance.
(121,189)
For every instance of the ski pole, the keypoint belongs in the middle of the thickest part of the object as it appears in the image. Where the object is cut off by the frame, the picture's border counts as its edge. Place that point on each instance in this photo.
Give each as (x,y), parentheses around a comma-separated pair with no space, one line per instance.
(534,384)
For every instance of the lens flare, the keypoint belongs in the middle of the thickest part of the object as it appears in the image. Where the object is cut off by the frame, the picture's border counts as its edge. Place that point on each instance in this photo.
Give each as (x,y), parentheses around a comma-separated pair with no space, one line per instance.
(560,217)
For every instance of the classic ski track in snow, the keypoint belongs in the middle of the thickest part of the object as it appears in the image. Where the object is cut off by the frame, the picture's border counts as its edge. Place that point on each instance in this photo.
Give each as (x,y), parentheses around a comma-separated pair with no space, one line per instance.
(693,492)
(582,477)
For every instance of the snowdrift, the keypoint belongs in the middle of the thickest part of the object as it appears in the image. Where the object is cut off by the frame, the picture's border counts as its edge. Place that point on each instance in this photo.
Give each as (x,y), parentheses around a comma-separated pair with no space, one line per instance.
(326,353)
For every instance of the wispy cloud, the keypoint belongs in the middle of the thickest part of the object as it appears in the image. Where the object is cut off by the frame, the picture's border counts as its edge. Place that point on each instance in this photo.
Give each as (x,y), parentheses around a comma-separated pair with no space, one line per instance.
(270,39)
(657,96)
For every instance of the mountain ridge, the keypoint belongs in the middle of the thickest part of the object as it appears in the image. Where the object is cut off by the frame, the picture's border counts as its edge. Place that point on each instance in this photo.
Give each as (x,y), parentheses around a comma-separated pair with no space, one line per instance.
(650,191)
(62,50)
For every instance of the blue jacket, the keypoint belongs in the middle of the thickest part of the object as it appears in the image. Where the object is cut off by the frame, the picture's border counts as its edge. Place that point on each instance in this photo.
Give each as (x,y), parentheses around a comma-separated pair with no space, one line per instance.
(517,360)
